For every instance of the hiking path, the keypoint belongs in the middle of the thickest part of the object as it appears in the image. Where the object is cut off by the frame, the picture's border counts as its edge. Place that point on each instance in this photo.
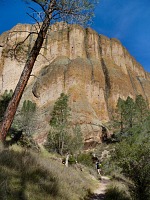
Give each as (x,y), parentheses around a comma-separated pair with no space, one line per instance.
(99,193)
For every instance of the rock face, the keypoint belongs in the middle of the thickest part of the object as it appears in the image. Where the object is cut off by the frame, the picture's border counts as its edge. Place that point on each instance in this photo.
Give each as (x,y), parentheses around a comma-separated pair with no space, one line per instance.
(93,69)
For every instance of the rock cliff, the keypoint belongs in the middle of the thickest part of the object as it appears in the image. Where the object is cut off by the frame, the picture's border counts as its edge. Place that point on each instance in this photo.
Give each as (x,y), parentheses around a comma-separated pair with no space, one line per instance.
(93,69)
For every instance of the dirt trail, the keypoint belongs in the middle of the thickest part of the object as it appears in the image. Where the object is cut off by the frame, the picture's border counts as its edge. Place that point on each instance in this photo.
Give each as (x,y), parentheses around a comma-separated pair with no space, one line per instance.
(99,193)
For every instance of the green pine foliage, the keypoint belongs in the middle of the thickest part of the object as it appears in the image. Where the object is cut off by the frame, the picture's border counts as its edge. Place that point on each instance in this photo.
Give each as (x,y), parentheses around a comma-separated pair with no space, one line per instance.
(132,153)
(62,138)
(59,133)
(61,112)
(26,117)
(26,124)
(142,110)
(119,120)
(133,157)
(77,142)
(130,115)
(23,126)
(4,101)
(85,159)
(20,130)
(78,12)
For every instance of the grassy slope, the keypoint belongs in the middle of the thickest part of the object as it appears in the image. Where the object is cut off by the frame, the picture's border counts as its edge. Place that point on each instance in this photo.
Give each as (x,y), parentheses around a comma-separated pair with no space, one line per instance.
(28,176)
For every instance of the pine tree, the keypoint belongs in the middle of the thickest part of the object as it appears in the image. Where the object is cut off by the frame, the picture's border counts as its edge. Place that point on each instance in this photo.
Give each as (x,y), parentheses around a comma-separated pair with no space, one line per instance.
(59,134)
(142,110)
(63,138)
(132,153)
(4,101)
(76,142)
(120,112)
(129,112)
(27,113)
(130,115)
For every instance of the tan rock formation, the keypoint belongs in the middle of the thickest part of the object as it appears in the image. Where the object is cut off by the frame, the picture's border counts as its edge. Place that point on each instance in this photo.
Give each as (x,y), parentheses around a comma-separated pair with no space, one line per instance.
(93,69)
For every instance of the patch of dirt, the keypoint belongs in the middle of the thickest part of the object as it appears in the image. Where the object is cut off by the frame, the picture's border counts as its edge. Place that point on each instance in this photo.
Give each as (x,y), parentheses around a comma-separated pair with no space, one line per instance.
(99,193)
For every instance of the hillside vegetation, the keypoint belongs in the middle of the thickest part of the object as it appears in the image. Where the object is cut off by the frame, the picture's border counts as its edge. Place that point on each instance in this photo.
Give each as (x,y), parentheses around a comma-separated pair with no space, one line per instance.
(129,151)
(28,176)
(124,157)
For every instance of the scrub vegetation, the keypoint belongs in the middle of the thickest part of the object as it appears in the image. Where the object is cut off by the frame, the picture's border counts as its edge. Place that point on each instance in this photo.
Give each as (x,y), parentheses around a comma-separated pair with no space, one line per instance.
(28,173)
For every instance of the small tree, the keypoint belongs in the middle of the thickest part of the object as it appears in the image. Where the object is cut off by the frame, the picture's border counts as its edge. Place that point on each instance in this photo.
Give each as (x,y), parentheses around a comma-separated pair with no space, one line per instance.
(129,113)
(59,133)
(120,112)
(62,138)
(132,154)
(76,141)
(124,119)
(27,114)
(142,110)
(23,126)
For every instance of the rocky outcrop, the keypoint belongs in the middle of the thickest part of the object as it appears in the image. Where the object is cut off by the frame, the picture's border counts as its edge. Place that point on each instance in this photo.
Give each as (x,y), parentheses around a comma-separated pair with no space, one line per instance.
(93,69)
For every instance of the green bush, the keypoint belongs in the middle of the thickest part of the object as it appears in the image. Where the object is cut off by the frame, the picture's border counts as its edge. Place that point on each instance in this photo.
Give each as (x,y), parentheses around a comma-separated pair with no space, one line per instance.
(72,160)
(4,101)
(114,193)
(132,153)
(133,157)
(85,159)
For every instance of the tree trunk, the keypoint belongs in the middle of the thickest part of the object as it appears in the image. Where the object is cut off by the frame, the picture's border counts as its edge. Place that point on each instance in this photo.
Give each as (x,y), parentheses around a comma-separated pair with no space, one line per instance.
(12,107)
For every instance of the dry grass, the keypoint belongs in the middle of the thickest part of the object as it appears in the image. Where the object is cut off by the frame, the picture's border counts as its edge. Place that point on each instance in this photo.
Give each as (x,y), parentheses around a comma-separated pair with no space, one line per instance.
(118,188)
(30,176)
(118,191)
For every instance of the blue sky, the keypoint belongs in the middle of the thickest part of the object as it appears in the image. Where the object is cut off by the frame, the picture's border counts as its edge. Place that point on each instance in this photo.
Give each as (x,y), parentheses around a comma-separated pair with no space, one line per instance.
(126,20)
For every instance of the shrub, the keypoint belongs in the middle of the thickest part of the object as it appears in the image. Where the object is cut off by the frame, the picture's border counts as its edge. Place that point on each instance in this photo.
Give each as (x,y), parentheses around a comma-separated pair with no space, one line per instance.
(72,160)
(117,190)
(85,159)
(133,157)
(114,193)
(4,101)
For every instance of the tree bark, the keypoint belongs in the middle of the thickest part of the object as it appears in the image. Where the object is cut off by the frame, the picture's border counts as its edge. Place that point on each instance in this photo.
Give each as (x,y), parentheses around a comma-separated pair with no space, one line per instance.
(13,104)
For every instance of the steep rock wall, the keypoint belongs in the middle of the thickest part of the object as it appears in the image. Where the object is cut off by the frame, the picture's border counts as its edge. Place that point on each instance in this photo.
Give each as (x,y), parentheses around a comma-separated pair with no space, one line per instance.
(93,69)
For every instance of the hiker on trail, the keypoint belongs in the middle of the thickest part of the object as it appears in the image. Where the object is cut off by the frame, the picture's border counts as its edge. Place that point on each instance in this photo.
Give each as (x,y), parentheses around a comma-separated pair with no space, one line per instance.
(98,167)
